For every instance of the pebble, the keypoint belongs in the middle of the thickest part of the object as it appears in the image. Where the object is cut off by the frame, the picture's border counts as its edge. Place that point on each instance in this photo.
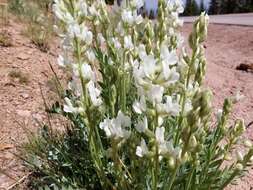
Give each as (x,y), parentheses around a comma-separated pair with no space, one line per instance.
(23,56)
(23,113)
(24,95)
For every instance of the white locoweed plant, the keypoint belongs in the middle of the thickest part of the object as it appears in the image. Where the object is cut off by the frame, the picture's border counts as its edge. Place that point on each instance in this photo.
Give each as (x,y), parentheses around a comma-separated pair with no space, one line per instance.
(138,96)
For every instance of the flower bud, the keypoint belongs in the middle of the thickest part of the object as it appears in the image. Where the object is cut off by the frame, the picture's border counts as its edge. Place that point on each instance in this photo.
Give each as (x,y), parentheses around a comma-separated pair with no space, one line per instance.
(172,163)
(219,114)
(247,143)
(239,156)
(193,141)
(227,157)
(239,166)
(239,128)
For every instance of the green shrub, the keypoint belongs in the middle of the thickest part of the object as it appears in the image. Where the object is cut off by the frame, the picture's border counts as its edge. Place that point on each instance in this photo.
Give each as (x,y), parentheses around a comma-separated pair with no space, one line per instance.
(17,7)
(36,16)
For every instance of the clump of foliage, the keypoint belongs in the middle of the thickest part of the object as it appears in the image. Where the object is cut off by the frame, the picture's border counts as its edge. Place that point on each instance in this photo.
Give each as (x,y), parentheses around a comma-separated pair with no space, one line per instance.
(137,100)
(37,15)
(230,6)
(191,8)
(19,75)
(60,160)
(5,39)
(16,7)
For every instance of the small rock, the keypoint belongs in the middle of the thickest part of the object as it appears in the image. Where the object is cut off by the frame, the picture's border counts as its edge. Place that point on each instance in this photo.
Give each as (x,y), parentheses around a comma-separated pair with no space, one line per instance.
(245,67)
(23,113)
(23,56)
(37,116)
(24,95)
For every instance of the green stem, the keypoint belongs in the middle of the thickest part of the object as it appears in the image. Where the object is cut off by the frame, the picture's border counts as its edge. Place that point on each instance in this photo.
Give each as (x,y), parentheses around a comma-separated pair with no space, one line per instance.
(156,166)
(190,179)
(173,177)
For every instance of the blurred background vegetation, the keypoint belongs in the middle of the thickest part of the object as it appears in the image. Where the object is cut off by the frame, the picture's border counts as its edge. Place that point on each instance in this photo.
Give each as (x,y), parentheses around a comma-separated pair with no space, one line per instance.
(38,17)
(217,7)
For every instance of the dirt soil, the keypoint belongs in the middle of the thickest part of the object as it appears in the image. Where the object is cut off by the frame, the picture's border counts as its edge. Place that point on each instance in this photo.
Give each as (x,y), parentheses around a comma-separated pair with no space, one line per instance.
(20,103)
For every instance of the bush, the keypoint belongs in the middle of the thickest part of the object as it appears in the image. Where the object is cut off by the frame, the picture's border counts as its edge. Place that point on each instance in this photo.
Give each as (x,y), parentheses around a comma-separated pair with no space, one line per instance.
(38,19)
(20,76)
(16,7)
(145,119)
(191,8)
(5,39)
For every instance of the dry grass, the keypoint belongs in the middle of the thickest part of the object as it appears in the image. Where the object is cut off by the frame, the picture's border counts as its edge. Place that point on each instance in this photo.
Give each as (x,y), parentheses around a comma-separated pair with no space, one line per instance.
(21,77)
(5,39)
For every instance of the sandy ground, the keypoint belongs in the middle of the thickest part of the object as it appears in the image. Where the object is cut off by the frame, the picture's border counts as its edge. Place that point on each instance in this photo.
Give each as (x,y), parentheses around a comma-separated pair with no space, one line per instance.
(227,47)
(21,104)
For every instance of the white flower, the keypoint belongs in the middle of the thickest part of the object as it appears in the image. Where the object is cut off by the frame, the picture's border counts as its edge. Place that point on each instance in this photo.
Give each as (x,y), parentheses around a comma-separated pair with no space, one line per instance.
(239,155)
(83,8)
(170,58)
(92,10)
(120,29)
(106,125)
(91,56)
(142,125)
(116,43)
(160,121)
(188,106)
(180,7)
(75,86)
(88,37)
(116,127)
(123,120)
(128,44)
(140,106)
(219,114)
(169,108)
(159,135)
(149,65)
(142,51)
(100,38)
(61,61)
(130,17)
(137,3)
(94,94)
(81,32)
(69,108)
(247,143)
(127,16)
(142,150)
(87,72)
(138,19)
(171,76)
(166,147)
(238,96)
(155,94)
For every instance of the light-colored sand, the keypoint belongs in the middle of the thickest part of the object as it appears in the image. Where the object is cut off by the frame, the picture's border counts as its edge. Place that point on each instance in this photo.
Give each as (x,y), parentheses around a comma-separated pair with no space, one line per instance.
(227,46)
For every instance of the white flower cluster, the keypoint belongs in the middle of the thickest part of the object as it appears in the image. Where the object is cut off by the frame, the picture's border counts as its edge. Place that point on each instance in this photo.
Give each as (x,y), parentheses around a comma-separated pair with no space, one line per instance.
(78,32)
(117,128)
(153,73)
(153,76)
(165,148)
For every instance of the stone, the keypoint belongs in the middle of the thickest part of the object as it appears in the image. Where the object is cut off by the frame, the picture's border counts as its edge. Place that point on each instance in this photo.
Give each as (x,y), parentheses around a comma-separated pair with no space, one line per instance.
(24,95)
(23,113)
(23,56)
